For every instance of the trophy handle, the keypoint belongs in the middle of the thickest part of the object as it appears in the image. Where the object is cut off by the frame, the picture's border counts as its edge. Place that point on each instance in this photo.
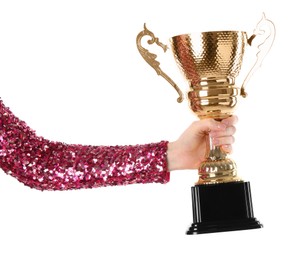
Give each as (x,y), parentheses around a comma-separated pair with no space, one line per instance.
(262,47)
(150,58)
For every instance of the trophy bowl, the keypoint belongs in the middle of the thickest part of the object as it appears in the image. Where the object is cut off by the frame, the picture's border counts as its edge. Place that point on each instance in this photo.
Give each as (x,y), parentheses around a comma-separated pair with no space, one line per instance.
(211,62)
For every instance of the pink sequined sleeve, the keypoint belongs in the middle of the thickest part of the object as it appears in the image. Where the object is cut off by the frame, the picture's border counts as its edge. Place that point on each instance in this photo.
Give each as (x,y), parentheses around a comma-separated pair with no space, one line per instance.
(47,165)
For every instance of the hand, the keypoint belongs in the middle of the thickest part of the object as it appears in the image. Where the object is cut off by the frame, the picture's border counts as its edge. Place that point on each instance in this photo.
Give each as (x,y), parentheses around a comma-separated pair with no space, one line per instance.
(190,149)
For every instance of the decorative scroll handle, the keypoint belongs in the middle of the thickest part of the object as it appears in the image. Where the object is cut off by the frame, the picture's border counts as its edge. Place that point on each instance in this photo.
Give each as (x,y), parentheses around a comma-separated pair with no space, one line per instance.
(150,58)
(263,48)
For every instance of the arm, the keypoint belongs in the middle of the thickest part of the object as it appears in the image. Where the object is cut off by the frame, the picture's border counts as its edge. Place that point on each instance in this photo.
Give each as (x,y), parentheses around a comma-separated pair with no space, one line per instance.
(47,165)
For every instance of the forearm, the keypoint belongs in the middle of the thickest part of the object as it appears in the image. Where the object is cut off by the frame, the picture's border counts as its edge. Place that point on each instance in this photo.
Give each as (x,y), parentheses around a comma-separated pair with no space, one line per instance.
(47,165)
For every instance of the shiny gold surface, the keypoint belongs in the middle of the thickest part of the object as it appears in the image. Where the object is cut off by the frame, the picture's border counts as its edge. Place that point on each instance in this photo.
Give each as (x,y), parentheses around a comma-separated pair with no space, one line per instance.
(217,168)
(211,62)
(150,58)
(265,29)
(216,55)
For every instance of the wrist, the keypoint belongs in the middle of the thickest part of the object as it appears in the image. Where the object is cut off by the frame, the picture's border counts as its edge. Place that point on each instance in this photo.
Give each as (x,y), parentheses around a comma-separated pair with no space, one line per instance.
(173,157)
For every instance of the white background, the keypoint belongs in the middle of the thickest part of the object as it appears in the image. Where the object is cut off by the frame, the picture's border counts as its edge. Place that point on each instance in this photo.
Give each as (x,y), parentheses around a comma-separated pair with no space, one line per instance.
(72,71)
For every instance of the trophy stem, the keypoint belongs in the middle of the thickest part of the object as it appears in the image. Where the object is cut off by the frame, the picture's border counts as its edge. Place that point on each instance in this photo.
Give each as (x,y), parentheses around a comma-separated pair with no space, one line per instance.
(217,167)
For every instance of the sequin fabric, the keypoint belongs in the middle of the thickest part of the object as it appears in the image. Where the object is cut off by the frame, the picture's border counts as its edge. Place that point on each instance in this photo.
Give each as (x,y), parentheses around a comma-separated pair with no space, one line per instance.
(48,165)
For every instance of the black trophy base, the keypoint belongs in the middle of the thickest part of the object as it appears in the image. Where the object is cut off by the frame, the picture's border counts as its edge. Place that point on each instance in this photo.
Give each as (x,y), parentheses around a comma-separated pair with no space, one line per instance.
(222,207)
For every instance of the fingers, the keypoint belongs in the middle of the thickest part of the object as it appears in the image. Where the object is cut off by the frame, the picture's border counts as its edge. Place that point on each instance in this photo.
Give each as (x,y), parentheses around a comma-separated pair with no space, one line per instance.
(224,138)
(232,120)
(209,125)
(221,132)
(228,131)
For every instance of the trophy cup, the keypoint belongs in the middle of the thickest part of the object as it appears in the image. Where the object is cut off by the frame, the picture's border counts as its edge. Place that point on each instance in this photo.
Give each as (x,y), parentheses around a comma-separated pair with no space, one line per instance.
(210,62)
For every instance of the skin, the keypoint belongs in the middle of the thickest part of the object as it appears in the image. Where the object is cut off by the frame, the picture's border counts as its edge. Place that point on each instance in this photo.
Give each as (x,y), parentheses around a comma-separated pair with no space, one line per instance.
(189,150)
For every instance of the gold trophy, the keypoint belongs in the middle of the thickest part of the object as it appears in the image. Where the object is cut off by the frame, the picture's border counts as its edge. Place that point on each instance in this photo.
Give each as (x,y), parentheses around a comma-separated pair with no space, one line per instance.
(211,62)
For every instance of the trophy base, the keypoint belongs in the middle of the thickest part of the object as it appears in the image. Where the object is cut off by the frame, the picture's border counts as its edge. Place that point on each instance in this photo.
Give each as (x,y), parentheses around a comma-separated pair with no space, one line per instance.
(223,226)
(222,207)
